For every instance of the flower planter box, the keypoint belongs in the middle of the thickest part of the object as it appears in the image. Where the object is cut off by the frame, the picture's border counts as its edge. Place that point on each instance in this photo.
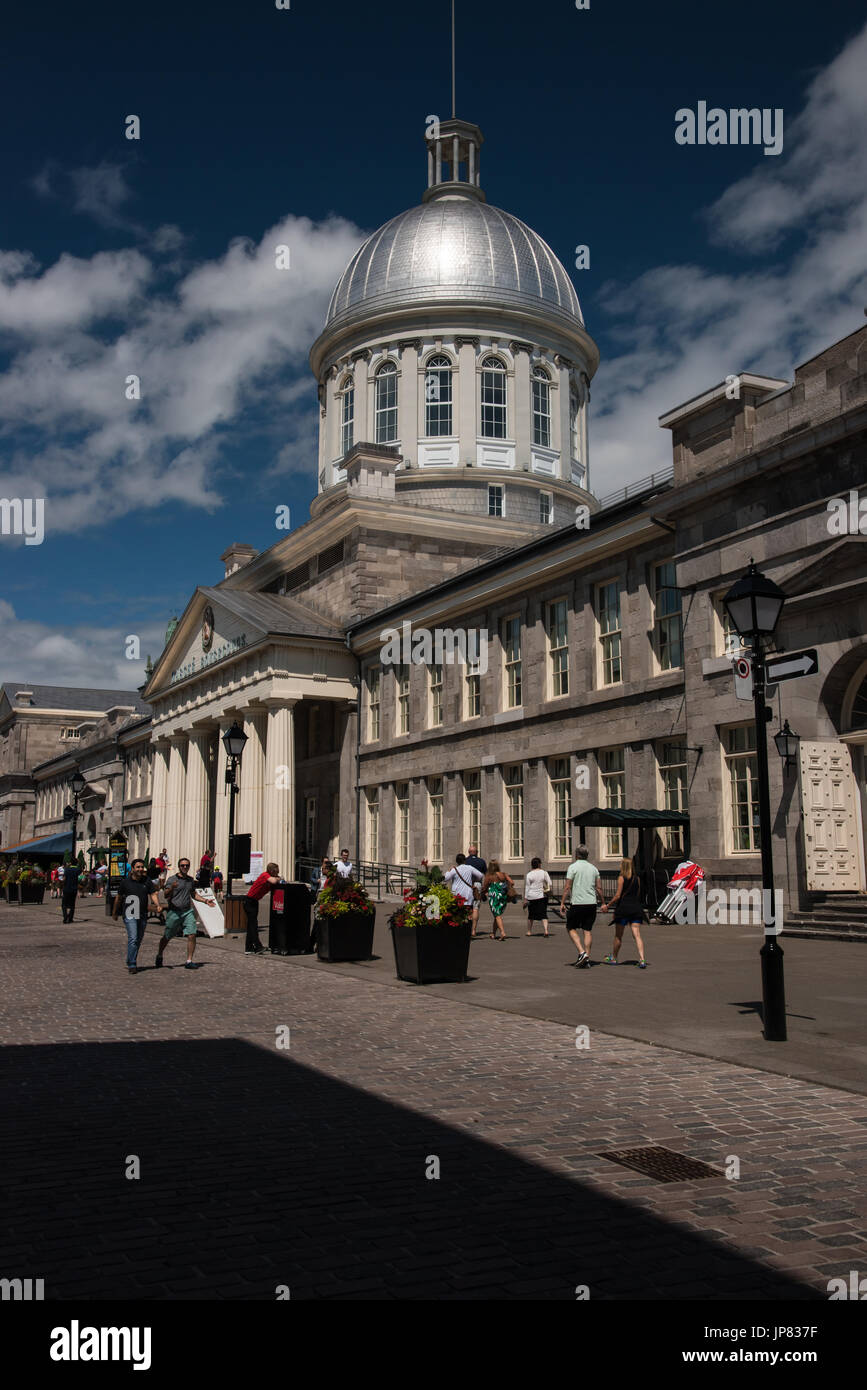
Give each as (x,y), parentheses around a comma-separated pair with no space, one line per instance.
(429,953)
(347,937)
(10,893)
(31,892)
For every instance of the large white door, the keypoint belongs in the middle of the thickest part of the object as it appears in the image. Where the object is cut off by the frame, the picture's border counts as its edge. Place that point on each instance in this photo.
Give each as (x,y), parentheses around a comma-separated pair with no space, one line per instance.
(831,834)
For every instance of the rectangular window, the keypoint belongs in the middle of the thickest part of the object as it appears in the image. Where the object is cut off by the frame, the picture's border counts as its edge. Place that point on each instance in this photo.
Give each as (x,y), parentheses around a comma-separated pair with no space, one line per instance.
(672,770)
(493,399)
(612,770)
(438,398)
(373,824)
(541,409)
(608,608)
(435,797)
(558,650)
(386,404)
(668,623)
(473,819)
(401,835)
(546,508)
(514,780)
(401,676)
(495,499)
(473,687)
(561,788)
(512,662)
(436,695)
(347,421)
(374,693)
(743,779)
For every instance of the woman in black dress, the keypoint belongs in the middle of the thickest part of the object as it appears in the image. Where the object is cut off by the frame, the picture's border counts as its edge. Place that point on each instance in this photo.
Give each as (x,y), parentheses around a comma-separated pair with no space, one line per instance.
(628,911)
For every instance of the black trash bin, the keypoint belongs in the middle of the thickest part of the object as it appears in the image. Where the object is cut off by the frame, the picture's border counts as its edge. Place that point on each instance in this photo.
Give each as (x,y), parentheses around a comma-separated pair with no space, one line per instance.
(289,920)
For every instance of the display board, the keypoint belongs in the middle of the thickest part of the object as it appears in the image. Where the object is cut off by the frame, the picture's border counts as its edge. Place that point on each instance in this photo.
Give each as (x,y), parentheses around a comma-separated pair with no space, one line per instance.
(209,913)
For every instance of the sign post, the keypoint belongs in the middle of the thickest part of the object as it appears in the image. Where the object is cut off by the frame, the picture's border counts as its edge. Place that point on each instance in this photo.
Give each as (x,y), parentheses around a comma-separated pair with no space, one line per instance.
(117,850)
(792,665)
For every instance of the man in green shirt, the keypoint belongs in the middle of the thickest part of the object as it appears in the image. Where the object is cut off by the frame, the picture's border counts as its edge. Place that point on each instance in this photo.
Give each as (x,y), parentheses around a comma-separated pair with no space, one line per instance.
(582,878)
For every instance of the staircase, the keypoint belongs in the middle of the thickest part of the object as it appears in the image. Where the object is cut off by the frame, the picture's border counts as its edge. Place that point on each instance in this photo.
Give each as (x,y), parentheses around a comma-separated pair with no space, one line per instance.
(830,917)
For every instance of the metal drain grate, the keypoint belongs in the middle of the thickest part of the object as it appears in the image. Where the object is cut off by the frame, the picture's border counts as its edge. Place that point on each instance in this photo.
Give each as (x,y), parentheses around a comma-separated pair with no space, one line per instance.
(662,1164)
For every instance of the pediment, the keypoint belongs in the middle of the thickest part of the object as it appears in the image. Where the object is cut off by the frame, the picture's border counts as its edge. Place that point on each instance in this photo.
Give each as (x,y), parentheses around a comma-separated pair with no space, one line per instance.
(839,563)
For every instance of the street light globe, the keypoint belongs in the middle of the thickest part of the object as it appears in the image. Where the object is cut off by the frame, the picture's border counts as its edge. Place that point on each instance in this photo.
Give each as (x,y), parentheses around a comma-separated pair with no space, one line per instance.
(78,783)
(754,604)
(787,743)
(234,740)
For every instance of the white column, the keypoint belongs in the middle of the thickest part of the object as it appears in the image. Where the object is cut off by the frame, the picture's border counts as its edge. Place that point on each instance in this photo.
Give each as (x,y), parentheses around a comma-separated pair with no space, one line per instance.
(197,798)
(584,432)
(565,428)
(251,777)
(407,402)
(175,798)
(466,402)
(221,818)
(279,799)
(523,418)
(159,794)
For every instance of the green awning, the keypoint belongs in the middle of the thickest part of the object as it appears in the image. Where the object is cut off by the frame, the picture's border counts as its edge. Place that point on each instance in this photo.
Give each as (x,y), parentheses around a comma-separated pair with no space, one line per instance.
(625,819)
(49,844)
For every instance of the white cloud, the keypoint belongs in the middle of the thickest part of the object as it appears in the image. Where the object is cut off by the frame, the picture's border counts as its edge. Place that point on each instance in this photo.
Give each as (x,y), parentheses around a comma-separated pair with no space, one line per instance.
(86,654)
(685,328)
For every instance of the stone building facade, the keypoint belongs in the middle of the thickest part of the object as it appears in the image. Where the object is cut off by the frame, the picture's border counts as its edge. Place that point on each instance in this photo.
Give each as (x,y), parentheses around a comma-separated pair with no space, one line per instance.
(454,495)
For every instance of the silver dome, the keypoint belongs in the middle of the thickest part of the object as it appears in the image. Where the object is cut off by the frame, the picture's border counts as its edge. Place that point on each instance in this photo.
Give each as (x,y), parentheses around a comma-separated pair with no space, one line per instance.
(453,249)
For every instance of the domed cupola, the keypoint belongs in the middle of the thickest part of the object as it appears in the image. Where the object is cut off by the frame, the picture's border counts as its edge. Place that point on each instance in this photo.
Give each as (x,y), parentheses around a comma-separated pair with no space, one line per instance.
(455,337)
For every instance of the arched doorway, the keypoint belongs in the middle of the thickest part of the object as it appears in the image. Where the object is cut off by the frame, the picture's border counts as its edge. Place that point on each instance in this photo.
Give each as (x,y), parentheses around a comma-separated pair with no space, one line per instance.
(833,781)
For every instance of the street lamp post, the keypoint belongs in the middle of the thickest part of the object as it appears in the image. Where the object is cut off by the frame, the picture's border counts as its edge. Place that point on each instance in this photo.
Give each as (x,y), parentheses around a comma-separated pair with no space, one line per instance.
(234,740)
(77,783)
(754,605)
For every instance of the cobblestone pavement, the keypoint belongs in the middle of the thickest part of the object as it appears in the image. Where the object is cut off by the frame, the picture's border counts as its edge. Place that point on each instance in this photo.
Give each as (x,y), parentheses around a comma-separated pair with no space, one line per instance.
(305,1167)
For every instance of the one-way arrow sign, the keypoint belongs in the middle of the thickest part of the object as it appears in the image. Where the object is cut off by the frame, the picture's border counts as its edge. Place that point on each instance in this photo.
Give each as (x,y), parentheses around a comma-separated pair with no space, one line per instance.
(792,665)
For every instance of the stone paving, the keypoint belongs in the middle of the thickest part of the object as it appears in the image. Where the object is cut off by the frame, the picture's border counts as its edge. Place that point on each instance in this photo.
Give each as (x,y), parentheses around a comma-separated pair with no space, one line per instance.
(305,1168)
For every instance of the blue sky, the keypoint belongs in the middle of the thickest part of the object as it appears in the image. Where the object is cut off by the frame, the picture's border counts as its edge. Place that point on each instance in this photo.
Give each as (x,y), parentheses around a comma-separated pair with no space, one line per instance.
(306,126)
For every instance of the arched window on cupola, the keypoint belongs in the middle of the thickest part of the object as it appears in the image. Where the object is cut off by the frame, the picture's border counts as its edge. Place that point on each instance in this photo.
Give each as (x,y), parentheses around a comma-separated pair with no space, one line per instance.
(386,403)
(541,408)
(438,397)
(575,425)
(493,398)
(346,397)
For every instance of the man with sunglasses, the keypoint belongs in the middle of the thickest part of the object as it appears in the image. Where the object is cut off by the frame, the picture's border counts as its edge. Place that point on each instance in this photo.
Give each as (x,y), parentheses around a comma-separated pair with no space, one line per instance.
(180,891)
(132,898)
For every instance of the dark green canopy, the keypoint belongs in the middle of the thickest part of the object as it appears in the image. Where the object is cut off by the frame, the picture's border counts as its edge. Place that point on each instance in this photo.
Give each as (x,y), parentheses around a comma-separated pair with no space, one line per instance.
(624,819)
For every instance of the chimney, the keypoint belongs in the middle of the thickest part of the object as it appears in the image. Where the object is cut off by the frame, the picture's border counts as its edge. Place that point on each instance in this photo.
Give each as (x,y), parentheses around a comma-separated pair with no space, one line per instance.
(370,471)
(237,556)
(24,697)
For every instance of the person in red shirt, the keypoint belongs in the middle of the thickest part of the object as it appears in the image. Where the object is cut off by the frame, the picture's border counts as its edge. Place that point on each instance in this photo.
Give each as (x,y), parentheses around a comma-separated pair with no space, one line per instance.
(265,883)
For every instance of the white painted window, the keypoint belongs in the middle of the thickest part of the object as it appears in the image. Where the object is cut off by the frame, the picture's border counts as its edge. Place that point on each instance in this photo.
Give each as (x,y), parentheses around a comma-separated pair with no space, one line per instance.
(514,783)
(561,794)
(546,508)
(435,837)
(496,502)
(742,769)
(541,408)
(436,695)
(386,403)
(347,416)
(558,649)
(401,836)
(668,620)
(373,824)
(493,388)
(374,694)
(512,666)
(608,611)
(473,818)
(401,675)
(672,771)
(438,397)
(613,773)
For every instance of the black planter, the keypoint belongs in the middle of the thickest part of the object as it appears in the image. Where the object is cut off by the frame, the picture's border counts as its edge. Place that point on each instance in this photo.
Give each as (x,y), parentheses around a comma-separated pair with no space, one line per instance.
(31,892)
(11,892)
(349,937)
(431,952)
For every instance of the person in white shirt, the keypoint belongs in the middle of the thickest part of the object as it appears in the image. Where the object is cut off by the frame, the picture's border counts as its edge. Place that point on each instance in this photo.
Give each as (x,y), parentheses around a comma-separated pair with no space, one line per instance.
(582,887)
(344,864)
(462,880)
(537,886)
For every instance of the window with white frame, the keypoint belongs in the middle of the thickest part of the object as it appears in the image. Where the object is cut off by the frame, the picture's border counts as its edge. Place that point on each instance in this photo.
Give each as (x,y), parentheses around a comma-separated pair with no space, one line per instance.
(436,695)
(373,824)
(493,387)
(473,689)
(608,609)
(512,662)
(668,620)
(347,416)
(743,780)
(386,403)
(374,696)
(514,783)
(438,397)
(558,649)
(401,677)
(473,797)
(435,837)
(311,824)
(546,508)
(401,822)
(541,408)
(613,773)
(672,771)
(561,792)
(495,499)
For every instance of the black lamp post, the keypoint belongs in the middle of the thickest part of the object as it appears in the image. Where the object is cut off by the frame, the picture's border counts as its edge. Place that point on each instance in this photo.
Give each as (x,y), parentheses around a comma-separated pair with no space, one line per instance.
(788,744)
(234,740)
(77,783)
(754,605)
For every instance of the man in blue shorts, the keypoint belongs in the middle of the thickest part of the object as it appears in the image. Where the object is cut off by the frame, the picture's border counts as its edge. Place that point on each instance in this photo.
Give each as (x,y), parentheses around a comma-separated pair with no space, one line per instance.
(180,891)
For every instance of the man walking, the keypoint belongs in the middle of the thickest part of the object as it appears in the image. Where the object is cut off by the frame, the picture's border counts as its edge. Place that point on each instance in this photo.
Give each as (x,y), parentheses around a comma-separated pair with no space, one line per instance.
(474,861)
(463,880)
(583,879)
(344,864)
(132,898)
(180,891)
(265,883)
(71,874)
